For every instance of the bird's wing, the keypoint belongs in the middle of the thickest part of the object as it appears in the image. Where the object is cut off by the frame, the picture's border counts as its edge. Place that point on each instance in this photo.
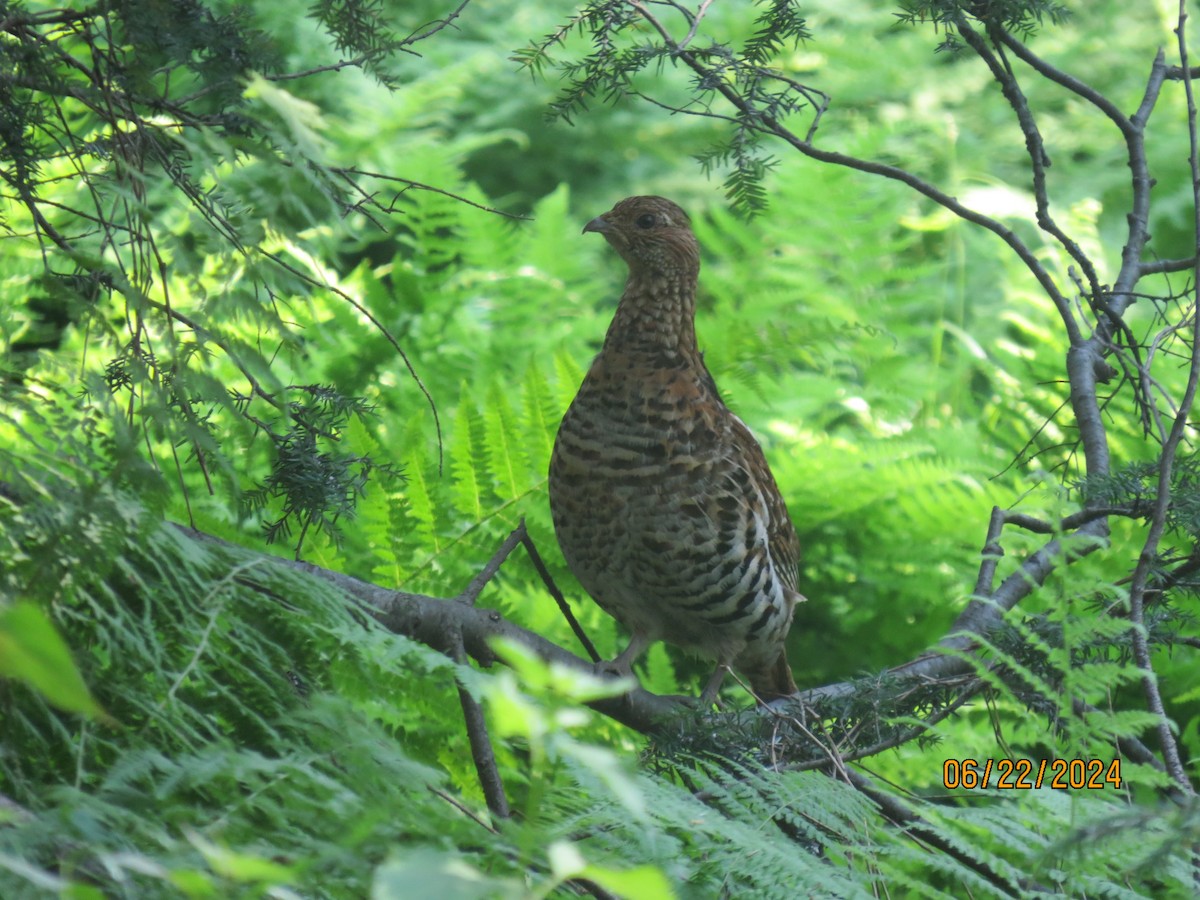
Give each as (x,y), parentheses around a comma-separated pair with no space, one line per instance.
(782,542)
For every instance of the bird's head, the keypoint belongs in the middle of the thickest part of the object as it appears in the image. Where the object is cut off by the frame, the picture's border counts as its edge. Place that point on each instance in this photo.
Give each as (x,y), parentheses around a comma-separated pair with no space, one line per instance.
(653,235)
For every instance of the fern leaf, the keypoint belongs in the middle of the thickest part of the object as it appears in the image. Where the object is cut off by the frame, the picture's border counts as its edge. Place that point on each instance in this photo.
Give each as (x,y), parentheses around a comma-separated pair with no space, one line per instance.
(505,461)
(541,417)
(420,504)
(467,455)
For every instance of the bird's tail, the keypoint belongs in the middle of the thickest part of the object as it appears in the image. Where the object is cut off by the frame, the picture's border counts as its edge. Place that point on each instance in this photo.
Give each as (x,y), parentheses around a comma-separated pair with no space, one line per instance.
(775,681)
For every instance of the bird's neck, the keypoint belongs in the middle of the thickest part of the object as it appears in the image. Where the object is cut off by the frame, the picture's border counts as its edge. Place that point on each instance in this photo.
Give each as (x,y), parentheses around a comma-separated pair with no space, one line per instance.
(656,315)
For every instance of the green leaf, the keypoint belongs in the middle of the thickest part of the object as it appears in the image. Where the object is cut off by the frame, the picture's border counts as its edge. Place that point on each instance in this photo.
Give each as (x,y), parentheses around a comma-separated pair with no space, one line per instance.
(566,862)
(32,651)
(240,866)
(639,883)
(429,873)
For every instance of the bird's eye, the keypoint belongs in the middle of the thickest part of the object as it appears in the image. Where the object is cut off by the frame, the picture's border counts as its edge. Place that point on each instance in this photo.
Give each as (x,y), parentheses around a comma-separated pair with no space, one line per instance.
(646,221)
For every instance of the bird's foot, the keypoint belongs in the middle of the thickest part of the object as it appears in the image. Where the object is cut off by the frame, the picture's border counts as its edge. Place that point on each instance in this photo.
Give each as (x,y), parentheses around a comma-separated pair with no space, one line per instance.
(612,669)
(779,706)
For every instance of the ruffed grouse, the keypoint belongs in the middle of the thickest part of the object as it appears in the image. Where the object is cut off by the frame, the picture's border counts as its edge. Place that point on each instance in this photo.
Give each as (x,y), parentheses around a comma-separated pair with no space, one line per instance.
(662,500)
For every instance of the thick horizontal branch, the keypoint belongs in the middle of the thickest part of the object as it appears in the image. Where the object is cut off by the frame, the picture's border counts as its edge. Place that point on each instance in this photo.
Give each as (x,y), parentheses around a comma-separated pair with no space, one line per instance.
(437,622)
(455,625)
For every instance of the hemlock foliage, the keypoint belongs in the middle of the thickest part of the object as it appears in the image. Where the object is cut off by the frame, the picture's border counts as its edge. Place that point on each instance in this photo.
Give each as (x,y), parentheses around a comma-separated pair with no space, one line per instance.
(247,255)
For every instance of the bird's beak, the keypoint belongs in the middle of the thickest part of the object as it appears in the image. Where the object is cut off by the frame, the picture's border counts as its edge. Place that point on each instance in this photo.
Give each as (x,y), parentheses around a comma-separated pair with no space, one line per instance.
(597,224)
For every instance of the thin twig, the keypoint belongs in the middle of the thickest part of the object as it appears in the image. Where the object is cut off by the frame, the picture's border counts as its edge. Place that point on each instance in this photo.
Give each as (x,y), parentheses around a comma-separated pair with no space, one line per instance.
(380,327)
(433,27)
(462,808)
(1039,160)
(1022,52)
(290,76)
(993,552)
(564,607)
(347,171)
(1140,184)
(471,592)
(696,19)
(985,611)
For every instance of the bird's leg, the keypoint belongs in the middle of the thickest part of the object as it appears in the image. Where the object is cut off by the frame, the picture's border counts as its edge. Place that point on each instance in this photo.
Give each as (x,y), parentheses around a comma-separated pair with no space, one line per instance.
(623,663)
(709,695)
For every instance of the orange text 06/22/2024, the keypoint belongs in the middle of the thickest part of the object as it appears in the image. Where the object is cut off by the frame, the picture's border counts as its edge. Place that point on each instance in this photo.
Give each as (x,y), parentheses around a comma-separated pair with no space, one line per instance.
(1027,774)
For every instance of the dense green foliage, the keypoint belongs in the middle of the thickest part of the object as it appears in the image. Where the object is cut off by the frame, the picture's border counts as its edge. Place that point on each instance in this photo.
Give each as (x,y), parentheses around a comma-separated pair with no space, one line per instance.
(230,301)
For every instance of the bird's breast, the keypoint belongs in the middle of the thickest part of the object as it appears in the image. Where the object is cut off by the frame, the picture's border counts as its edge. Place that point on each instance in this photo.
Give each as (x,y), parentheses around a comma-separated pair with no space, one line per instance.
(640,421)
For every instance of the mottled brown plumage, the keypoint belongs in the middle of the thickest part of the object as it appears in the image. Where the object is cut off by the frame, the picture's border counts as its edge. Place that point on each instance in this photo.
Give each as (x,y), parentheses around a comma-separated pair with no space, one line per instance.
(662,500)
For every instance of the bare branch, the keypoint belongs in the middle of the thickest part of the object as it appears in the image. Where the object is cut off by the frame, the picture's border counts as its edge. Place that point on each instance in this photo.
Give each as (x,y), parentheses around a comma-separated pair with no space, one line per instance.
(691,33)
(1022,52)
(1147,558)
(347,171)
(471,592)
(455,627)
(1166,266)
(482,753)
(986,609)
(428,31)
(1068,523)
(767,124)
(993,552)
(1039,160)
(1140,184)
(291,76)
(439,623)
(559,599)
(461,807)
(1085,369)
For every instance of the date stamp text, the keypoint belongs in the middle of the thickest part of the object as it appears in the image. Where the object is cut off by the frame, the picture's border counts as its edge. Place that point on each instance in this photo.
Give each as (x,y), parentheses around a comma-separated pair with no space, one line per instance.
(1027,774)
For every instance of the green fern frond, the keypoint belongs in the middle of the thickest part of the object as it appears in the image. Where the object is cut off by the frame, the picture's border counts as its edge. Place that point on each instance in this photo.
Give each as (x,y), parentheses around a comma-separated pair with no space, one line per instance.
(541,418)
(568,377)
(506,463)
(420,506)
(468,452)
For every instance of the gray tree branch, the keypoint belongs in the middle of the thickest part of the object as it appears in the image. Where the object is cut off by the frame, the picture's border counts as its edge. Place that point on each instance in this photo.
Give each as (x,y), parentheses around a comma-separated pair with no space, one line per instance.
(1147,559)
